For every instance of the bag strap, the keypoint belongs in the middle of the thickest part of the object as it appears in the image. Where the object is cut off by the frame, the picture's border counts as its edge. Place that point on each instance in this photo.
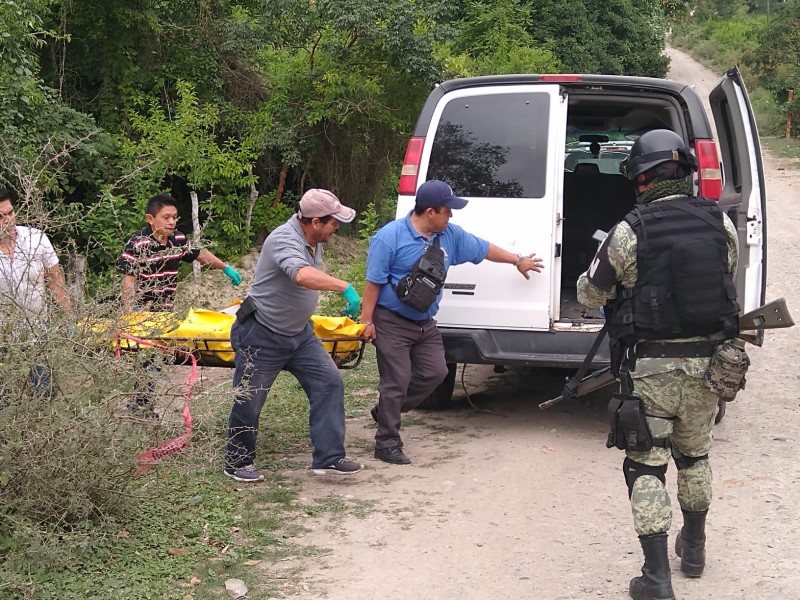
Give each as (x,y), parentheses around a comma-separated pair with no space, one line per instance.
(693,210)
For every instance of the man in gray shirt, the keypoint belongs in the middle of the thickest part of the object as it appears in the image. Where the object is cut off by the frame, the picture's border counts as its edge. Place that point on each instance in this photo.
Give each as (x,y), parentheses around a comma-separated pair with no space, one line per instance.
(273,332)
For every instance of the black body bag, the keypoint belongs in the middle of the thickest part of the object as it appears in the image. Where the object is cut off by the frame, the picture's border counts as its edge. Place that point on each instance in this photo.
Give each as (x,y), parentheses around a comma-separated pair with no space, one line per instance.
(420,288)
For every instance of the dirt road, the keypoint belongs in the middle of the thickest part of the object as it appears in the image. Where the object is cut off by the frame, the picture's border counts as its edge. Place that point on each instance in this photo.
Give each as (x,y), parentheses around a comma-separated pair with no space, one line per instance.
(515,503)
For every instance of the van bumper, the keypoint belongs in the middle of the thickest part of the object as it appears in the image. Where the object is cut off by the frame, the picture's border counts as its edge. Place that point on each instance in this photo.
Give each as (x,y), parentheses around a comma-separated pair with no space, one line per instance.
(560,349)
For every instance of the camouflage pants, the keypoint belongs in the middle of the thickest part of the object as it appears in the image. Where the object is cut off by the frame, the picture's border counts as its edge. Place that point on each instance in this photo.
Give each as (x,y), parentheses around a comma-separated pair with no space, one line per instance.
(682,410)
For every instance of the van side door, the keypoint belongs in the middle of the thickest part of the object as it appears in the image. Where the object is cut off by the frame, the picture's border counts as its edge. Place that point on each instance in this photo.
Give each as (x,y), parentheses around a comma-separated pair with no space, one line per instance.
(743,194)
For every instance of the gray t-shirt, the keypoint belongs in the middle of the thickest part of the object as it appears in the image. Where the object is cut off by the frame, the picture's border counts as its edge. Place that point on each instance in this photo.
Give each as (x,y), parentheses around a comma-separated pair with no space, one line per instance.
(281,304)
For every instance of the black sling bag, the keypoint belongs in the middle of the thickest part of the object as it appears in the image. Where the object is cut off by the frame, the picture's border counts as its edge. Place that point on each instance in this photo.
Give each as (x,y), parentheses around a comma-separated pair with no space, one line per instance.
(420,288)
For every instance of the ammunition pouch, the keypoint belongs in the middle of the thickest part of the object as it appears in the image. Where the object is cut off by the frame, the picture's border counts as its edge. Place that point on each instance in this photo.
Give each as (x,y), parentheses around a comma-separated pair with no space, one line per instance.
(628,420)
(420,288)
(726,371)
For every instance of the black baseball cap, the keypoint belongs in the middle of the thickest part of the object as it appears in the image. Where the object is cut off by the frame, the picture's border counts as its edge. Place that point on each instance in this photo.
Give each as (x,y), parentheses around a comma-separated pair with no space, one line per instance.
(438,193)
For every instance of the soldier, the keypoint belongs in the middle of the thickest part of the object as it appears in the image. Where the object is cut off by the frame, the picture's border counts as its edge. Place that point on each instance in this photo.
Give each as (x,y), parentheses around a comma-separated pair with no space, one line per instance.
(665,277)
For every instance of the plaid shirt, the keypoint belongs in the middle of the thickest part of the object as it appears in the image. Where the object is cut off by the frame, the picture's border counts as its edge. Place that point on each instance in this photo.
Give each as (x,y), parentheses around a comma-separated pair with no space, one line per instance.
(155,266)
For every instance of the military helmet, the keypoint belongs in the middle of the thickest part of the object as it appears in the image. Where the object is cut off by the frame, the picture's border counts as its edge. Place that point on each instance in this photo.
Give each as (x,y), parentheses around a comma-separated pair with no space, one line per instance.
(655,147)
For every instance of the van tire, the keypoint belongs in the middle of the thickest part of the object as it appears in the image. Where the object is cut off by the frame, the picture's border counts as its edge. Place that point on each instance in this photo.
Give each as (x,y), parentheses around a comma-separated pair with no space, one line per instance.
(723,406)
(441,396)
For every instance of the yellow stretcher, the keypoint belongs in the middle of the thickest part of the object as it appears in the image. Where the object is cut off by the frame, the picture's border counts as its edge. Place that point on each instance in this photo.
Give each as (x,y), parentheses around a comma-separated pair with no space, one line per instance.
(206,334)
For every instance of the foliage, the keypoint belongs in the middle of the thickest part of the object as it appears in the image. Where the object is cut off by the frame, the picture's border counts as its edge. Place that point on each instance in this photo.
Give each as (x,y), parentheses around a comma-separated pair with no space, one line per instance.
(617,37)
(493,39)
(183,144)
(765,44)
(776,61)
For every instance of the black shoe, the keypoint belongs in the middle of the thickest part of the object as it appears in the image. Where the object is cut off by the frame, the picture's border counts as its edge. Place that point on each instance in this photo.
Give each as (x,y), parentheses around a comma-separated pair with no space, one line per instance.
(374,413)
(393,455)
(343,466)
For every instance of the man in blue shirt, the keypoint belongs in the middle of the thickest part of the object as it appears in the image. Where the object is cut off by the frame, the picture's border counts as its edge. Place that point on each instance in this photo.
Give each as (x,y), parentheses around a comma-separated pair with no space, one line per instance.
(409,348)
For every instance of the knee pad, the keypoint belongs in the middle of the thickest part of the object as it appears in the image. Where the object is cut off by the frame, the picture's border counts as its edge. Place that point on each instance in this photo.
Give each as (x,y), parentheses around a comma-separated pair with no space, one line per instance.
(684,462)
(633,470)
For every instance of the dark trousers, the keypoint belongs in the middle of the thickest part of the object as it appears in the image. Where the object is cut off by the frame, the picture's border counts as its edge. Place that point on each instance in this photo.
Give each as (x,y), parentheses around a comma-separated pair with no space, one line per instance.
(410,364)
(260,355)
(40,385)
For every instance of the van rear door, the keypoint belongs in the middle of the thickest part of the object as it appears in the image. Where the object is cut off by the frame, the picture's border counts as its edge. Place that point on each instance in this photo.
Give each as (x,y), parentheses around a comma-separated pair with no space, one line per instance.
(502,148)
(743,194)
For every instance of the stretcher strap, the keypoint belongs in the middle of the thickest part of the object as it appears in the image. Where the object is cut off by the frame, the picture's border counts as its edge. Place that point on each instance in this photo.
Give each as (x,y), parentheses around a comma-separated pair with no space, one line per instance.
(170,447)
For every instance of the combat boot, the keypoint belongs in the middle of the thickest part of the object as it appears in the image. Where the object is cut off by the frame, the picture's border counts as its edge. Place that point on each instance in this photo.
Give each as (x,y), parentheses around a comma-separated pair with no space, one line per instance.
(656,580)
(690,544)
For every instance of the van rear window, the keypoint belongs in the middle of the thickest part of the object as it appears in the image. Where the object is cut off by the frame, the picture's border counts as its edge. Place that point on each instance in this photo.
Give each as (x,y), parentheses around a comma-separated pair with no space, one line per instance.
(493,145)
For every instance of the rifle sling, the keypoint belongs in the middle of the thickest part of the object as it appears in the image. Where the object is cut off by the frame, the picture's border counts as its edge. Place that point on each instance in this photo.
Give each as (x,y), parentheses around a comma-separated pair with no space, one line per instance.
(572,385)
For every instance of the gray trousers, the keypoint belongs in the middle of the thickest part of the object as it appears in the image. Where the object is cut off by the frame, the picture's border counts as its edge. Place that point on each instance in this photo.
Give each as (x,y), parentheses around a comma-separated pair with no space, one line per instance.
(411,365)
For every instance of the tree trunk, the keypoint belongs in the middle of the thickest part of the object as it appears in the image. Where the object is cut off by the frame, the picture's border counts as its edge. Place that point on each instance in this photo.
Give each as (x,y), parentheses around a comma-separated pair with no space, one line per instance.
(281,185)
(195,230)
(251,202)
(76,278)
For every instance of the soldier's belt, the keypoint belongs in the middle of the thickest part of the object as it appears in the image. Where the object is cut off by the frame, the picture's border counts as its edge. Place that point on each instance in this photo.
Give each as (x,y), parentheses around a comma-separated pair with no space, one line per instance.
(672,350)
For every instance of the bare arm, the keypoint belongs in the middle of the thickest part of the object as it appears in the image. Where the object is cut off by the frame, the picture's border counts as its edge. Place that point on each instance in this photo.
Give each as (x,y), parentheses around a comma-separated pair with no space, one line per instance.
(128,291)
(370,300)
(314,279)
(524,264)
(54,279)
(206,258)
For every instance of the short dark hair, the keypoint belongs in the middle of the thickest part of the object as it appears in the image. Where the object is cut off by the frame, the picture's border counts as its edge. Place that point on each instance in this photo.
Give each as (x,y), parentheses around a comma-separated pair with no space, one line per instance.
(159,201)
(307,220)
(418,210)
(4,195)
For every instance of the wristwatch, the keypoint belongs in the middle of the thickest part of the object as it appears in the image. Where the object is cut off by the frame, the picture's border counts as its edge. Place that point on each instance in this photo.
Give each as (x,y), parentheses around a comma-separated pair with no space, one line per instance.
(520,258)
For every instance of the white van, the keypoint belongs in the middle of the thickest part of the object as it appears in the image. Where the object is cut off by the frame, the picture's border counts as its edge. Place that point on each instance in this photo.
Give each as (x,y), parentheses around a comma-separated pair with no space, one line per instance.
(537,156)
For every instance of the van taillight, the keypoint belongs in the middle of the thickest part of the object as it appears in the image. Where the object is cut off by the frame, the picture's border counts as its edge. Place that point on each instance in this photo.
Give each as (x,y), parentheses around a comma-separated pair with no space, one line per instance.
(408,176)
(709,176)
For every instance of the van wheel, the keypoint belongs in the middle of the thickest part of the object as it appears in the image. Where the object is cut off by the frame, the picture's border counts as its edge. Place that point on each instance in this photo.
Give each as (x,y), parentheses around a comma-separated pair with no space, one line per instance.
(723,406)
(441,396)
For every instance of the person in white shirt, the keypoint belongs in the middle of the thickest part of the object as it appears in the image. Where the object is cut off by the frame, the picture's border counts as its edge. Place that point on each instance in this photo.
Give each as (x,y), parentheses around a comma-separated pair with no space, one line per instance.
(29,269)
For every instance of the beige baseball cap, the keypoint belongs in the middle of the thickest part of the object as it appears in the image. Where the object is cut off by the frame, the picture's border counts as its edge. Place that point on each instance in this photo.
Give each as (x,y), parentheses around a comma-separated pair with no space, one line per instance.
(321,203)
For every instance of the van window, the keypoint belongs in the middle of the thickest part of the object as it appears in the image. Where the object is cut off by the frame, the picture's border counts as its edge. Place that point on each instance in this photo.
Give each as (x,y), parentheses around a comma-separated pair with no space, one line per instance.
(493,145)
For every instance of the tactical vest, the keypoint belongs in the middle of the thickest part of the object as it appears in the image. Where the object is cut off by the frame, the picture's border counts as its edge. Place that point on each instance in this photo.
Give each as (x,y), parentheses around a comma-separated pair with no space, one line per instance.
(683,288)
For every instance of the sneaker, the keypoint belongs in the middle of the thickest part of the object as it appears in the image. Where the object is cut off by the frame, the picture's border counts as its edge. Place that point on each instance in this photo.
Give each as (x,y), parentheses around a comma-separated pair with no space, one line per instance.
(374,413)
(343,466)
(247,474)
(393,455)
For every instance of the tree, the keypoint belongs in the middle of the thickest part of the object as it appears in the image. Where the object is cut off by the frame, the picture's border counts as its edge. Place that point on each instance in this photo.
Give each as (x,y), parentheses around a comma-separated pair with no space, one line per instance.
(615,37)
(777,59)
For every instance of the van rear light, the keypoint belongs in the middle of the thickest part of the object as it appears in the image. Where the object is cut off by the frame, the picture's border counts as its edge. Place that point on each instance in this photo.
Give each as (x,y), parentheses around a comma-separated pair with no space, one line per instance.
(709,176)
(408,176)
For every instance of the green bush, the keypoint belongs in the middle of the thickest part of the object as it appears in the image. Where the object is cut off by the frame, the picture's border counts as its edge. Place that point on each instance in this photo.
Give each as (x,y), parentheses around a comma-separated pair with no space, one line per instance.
(770,116)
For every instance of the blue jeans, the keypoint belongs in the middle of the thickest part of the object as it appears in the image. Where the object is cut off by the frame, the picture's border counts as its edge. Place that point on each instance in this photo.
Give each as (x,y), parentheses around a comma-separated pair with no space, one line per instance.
(260,355)
(40,384)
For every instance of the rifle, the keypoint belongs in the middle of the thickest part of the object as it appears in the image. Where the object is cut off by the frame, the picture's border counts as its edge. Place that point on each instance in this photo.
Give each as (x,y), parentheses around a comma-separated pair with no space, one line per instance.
(773,315)
(574,389)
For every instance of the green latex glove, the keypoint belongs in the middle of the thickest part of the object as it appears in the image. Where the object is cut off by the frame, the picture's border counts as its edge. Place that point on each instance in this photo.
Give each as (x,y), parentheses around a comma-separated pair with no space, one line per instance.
(235,278)
(353,302)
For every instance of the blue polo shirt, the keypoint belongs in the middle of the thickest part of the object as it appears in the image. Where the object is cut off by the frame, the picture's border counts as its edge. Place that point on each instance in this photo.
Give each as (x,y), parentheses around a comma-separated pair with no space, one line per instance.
(397,246)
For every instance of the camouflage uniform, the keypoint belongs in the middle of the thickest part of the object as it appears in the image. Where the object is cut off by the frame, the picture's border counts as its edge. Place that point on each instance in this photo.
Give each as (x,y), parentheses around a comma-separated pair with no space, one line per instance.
(679,406)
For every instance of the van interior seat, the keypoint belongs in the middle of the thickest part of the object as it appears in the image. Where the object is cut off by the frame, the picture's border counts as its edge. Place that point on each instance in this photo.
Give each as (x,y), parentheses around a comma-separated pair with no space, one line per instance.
(592,201)
(586,169)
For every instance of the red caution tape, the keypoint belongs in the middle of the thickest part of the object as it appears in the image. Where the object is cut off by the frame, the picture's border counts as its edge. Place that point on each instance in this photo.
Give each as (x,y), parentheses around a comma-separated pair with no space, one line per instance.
(170,447)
